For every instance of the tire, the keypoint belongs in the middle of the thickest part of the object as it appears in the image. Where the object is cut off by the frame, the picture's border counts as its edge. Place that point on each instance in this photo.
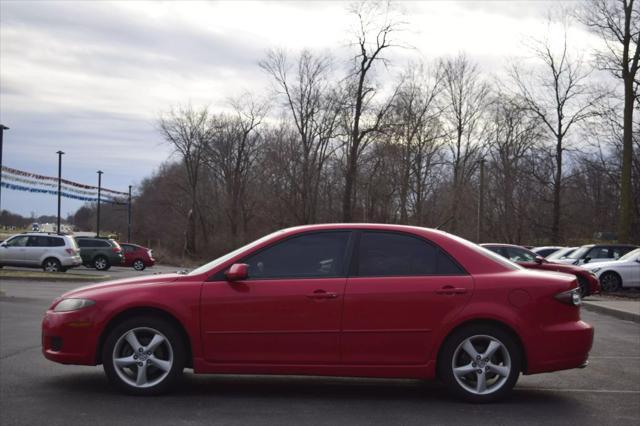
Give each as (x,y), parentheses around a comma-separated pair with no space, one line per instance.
(585,289)
(610,281)
(138,265)
(163,365)
(51,264)
(499,372)
(101,263)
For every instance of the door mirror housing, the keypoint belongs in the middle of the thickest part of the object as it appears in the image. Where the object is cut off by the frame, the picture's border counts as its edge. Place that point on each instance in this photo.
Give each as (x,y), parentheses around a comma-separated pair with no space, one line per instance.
(587,259)
(539,260)
(237,272)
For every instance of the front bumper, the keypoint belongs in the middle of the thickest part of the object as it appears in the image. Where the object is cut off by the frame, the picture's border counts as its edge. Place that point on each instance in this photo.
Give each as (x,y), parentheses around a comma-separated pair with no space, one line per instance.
(561,347)
(70,337)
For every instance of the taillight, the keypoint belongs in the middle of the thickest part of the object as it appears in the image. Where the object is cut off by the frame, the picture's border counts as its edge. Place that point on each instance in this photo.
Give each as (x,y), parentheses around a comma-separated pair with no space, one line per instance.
(571,297)
(70,251)
(116,249)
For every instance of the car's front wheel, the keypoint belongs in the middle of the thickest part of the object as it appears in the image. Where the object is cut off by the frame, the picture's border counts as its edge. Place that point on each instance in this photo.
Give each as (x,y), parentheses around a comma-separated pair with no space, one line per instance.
(610,281)
(480,363)
(138,265)
(144,356)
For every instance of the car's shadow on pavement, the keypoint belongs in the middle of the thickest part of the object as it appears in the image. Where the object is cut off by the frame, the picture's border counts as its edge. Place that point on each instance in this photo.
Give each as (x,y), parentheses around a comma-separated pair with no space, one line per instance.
(235,387)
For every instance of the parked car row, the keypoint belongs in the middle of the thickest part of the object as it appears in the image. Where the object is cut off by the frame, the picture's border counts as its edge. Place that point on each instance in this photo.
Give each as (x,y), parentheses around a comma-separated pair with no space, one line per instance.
(609,267)
(58,253)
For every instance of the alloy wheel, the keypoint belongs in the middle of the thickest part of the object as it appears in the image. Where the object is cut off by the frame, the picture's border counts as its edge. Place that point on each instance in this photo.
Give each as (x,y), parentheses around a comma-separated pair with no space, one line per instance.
(100,263)
(142,357)
(138,265)
(481,364)
(51,266)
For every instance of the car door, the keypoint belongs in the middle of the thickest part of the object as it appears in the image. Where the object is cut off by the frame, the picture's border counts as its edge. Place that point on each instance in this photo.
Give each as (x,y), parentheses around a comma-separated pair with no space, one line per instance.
(13,250)
(400,290)
(599,254)
(36,246)
(289,308)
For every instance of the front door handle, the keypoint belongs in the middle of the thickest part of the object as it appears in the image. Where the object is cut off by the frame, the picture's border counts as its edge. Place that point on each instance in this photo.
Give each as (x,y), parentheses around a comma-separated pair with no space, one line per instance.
(321,294)
(451,290)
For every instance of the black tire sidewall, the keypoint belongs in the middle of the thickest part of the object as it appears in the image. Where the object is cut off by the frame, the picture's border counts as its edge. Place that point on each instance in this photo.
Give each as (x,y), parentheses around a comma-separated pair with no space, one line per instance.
(448,348)
(177,345)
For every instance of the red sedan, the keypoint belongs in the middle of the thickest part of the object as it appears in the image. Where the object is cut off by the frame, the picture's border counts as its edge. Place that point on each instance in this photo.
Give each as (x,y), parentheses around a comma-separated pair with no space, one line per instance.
(338,300)
(137,256)
(587,280)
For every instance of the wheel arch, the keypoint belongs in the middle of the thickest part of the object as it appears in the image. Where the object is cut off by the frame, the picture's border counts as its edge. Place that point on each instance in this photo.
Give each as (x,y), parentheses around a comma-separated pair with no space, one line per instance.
(133,312)
(50,256)
(487,322)
(614,272)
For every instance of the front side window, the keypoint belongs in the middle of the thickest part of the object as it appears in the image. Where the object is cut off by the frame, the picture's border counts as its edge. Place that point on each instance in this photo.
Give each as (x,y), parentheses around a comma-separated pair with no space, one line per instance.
(383,254)
(599,253)
(20,241)
(319,255)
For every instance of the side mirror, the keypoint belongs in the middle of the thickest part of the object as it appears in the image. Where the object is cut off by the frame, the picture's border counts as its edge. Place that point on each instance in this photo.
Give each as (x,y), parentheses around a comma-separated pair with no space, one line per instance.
(587,259)
(237,272)
(539,260)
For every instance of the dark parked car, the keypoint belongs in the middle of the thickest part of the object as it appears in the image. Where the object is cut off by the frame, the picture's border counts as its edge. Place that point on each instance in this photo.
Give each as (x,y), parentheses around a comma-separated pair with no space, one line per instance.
(587,280)
(100,253)
(137,256)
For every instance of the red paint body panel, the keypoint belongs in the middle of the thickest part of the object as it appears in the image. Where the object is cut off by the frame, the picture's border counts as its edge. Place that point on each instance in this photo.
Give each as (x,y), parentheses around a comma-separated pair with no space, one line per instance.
(140,253)
(349,326)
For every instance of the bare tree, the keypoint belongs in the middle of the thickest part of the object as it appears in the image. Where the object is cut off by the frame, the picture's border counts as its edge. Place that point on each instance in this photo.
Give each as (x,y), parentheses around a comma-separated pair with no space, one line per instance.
(465,101)
(559,94)
(617,22)
(187,130)
(312,106)
(373,36)
(230,156)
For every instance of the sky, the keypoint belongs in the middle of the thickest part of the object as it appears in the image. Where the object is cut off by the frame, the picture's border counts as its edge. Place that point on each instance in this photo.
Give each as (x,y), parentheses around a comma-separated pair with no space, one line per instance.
(91,78)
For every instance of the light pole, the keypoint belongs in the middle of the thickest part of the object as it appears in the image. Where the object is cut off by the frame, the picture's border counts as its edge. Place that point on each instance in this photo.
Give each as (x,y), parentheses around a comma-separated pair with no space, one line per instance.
(60,154)
(129,218)
(481,201)
(2,129)
(99,193)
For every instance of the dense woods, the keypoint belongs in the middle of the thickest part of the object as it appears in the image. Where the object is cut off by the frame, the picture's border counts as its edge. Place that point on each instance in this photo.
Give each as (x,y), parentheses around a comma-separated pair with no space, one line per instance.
(555,138)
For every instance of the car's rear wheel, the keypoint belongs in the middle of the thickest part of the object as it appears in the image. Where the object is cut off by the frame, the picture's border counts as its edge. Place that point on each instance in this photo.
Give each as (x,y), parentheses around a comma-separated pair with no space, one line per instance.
(138,265)
(610,281)
(480,363)
(144,356)
(101,263)
(51,265)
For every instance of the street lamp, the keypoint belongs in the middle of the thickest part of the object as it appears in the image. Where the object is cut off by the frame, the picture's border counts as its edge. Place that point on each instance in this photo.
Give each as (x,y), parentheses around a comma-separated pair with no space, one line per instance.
(60,154)
(129,217)
(2,129)
(99,193)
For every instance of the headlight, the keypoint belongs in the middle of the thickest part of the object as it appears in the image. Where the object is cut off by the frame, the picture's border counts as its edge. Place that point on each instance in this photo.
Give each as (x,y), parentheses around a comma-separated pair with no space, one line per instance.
(571,297)
(67,305)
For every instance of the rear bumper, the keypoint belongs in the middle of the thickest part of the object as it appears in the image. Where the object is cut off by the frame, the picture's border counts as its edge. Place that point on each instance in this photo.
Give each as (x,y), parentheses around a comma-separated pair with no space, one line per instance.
(69,337)
(71,261)
(561,347)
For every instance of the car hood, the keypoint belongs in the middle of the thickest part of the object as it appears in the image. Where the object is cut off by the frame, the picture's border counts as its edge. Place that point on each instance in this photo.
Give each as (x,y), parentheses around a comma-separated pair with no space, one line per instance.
(96,289)
(561,267)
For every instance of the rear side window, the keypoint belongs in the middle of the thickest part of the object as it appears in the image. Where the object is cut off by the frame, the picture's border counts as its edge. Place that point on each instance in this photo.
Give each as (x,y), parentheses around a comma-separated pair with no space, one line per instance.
(319,255)
(38,241)
(383,254)
(56,242)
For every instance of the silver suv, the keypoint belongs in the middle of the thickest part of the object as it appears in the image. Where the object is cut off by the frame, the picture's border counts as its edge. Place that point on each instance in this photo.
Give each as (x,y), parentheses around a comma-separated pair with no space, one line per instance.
(51,252)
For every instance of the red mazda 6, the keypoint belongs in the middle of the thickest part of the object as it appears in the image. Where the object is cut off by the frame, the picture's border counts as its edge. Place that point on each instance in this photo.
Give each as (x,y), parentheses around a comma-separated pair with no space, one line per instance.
(339,300)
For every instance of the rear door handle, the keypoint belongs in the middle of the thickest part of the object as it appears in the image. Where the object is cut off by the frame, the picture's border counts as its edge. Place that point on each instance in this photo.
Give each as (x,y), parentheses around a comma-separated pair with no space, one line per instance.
(451,290)
(321,294)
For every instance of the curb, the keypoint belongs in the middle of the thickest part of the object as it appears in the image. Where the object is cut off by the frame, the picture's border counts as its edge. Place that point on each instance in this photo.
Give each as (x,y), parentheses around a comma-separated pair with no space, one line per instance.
(616,313)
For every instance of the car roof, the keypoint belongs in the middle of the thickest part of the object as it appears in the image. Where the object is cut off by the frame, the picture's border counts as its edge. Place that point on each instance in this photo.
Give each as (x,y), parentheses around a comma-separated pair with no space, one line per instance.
(500,245)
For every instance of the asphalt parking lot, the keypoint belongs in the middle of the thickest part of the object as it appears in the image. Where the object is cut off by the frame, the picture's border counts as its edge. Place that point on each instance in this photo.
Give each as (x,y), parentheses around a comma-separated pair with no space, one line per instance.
(36,391)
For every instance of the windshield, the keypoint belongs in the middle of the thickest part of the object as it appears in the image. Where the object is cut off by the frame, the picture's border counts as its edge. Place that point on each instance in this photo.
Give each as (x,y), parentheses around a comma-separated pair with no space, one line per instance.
(561,253)
(631,255)
(578,254)
(216,262)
